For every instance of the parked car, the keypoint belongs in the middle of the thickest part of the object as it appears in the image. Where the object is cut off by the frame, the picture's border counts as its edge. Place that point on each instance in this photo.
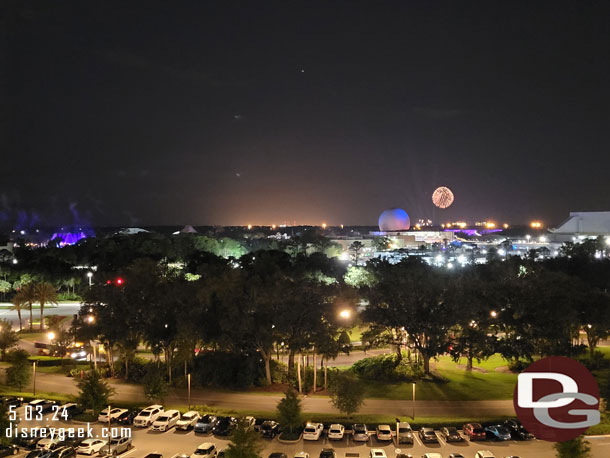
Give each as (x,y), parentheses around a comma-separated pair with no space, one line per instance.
(360,433)
(154,455)
(377,453)
(115,413)
(36,454)
(205,424)
(147,416)
(30,440)
(116,446)
(205,450)
(12,401)
(48,443)
(225,426)
(277,455)
(336,432)
(517,431)
(383,433)
(188,420)
(126,418)
(258,423)
(405,433)
(432,455)
(401,454)
(474,431)
(427,435)
(301,455)
(451,434)
(327,453)
(166,421)
(270,429)
(456,455)
(484,454)
(498,433)
(63,452)
(70,410)
(221,453)
(90,446)
(312,431)
(249,422)
(6,450)
(43,404)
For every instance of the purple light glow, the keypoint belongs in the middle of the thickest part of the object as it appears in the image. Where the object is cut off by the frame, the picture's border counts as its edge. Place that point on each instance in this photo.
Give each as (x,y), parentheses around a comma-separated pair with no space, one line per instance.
(68,238)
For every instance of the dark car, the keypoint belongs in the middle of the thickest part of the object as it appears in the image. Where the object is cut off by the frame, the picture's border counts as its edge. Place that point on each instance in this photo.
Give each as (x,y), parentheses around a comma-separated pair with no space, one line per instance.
(517,431)
(42,405)
(328,453)
(6,450)
(35,454)
(258,423)
(12,401)
(451,434)
(28,441)
(497,432)
(63,452)
(126,418)
(225,426)
(474,431)
(270,429)
(71,410)
(154,455)
(427,435)
(206,424)
(277,455)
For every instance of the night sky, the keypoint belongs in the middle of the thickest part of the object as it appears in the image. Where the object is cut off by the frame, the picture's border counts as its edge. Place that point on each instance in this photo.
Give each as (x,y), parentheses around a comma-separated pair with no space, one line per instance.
(142,113)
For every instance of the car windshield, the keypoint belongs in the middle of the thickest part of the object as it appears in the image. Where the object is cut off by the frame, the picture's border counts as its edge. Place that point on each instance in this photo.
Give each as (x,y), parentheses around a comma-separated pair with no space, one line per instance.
(202,451)
(451,430)
(478,430)
(188,416)
(359,429)
(267,426)
(163,418)
(205,419)
(114,441)
(335,430)
(145,414)
(310,429)
(404,430)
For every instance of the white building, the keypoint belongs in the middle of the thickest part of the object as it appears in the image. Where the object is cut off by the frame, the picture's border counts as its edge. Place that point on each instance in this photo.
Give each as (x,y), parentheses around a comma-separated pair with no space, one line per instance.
(581,225)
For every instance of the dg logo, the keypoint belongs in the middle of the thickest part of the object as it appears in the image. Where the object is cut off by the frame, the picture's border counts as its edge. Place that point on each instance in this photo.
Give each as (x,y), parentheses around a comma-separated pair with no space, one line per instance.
(557,399)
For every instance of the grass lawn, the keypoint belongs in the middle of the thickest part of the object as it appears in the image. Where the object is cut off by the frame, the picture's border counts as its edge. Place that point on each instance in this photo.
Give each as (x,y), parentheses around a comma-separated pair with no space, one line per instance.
(459,385)
(33,336)
(355,333)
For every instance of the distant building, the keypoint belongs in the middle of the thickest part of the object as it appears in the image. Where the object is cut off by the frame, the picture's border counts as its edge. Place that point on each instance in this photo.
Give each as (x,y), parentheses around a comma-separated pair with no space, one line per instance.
(582,225)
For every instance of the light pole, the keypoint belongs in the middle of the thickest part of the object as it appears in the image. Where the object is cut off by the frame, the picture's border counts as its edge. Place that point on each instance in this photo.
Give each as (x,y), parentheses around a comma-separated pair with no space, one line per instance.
(188,382)
(413,402)
(34,378)
(89,275)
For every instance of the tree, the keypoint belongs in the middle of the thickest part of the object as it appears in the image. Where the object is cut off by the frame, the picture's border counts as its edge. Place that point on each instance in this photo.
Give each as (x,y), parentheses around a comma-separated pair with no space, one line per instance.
(8,337)
(18,302)
(94,391)
(5,287)
(18,375)
(29,297)
(44,293)
(575,448)
(244,444)
(289,410)
(346,393)
(5,423)
(155,386)
(356,247)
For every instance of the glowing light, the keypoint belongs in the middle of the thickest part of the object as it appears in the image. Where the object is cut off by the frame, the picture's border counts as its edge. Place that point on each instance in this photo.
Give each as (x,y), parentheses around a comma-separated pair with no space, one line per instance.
(345,314)
(90,319)
(505,226)
(89,274)
(442,197)
(120,281)
(273,226)
(502,252)
(535,224)
(493,314)
(344,256)
(490,225)
(15,261)
(51,335)
(450,265)
(323,225)
(461,259)
(249,226)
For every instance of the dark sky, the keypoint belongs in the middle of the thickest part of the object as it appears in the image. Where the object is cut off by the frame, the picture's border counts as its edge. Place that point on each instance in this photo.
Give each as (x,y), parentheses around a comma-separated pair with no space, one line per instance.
(219,112)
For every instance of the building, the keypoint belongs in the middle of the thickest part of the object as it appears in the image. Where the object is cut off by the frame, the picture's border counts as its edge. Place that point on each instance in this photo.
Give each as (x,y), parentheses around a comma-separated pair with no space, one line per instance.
(582,225)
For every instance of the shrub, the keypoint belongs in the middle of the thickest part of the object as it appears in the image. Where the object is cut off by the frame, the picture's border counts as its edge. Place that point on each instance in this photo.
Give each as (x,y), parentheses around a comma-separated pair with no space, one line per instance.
(387,368)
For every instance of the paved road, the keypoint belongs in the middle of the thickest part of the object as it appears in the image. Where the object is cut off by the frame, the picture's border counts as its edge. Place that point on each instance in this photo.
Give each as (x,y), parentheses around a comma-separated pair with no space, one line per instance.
(53,383)
(171,443)
(63,308)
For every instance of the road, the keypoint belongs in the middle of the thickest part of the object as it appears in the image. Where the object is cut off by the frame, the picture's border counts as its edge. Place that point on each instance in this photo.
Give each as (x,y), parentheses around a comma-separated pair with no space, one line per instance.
(130,393)
(171,443)
(63,308)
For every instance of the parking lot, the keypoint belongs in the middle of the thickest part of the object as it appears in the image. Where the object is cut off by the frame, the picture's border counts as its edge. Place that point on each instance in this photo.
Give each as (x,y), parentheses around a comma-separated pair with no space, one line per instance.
(173,443)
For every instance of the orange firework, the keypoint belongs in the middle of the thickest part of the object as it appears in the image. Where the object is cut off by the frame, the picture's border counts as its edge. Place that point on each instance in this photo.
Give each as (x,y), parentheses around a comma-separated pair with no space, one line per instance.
(442,197)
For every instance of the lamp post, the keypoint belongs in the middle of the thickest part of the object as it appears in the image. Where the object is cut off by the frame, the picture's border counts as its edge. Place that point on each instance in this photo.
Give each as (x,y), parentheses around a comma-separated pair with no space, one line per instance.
(188,383)
(34,379)
(89,275)
(413,402)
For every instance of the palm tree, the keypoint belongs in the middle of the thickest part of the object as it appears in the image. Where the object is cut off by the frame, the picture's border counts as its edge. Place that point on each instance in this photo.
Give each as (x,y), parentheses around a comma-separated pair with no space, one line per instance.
(45,293)
(18,302)
(29,296)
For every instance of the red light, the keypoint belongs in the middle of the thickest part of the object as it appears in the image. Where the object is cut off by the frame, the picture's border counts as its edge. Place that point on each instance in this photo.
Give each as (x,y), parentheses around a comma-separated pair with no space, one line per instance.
(119,281)
(108,282)
(450,347)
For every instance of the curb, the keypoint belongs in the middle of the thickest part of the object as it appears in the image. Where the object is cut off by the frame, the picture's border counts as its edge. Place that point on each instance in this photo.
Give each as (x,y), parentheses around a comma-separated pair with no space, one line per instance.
(284,441)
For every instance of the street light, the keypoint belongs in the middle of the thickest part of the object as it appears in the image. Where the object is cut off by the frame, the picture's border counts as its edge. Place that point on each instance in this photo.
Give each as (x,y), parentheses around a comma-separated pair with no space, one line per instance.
(90,319)
(413,402)
(89,275)
(493,314)
(51,336)
(345,314)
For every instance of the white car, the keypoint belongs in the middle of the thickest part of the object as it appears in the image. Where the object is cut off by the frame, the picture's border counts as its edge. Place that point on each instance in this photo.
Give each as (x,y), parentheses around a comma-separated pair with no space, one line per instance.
(336,432)
(188,420)
(48,443)
(484,454)
(377,453)
(249,422)
(432,455)
(114,414)
(384,433)
(166,421)
(205,450)
(90,446)
(312,431)
(301,455)
(147,416)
